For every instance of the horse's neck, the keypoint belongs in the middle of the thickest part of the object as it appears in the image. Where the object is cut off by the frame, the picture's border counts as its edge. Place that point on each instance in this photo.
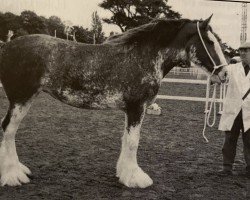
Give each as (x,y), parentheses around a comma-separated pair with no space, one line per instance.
(172,57)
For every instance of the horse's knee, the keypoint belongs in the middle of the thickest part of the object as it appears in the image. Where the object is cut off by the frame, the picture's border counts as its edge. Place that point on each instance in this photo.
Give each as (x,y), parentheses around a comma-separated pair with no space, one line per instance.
(14,116)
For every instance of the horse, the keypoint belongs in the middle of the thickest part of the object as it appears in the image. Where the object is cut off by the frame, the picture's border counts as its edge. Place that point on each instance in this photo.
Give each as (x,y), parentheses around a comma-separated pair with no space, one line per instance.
(125,73)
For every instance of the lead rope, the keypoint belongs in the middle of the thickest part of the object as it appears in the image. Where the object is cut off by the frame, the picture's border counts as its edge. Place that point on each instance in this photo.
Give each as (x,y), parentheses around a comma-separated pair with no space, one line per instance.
(208,109)
(212,104)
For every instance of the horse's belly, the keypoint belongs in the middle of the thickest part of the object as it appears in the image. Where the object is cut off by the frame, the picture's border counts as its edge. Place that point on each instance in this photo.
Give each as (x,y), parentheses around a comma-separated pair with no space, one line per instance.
(81,99)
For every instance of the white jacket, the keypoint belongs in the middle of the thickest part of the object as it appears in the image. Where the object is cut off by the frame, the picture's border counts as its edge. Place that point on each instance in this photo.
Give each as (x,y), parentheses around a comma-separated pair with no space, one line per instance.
(238,85)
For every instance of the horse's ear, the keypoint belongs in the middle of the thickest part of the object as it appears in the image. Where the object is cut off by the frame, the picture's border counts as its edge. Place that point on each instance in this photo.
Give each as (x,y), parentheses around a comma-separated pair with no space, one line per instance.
(206,22)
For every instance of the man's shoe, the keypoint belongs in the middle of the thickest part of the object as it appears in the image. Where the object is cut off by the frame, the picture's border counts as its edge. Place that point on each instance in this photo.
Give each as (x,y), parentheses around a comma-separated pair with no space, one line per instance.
(225,172)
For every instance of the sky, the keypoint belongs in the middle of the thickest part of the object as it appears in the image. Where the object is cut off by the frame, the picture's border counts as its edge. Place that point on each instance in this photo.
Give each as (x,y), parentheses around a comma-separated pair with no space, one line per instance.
(226,21)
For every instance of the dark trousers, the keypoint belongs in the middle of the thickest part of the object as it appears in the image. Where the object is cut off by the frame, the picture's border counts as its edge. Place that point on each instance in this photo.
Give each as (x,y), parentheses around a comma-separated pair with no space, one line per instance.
(230,144)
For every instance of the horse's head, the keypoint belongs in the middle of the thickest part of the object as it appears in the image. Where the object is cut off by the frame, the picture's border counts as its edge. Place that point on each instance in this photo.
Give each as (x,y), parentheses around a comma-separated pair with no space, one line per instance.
(204,50)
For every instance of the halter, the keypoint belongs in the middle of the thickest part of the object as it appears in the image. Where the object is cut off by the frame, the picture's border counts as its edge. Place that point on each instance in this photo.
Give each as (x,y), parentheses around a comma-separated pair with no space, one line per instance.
(208,111)
(205,47)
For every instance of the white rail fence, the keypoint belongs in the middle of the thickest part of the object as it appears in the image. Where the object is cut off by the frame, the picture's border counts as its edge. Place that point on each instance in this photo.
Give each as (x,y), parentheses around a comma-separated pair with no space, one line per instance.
(221,96)
(192,71)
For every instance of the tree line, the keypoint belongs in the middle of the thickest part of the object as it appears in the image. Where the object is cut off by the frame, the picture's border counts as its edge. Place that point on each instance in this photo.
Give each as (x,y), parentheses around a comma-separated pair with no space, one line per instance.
(126,14)
(28,22)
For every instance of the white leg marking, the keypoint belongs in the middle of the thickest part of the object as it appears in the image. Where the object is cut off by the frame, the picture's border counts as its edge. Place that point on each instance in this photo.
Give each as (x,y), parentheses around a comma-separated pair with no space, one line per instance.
(12,172)
(128,171)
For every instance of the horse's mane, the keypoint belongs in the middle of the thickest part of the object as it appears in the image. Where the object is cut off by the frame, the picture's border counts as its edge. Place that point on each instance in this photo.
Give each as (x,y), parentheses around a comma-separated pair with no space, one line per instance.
(160,32)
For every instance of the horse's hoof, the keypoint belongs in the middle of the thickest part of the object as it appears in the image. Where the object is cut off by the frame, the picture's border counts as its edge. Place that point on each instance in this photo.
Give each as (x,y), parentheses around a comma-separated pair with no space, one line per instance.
(135,178)
(15,175)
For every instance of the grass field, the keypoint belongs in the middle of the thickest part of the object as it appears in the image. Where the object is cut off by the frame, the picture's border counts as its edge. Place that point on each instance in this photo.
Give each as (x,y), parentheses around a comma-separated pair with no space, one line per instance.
(72,153)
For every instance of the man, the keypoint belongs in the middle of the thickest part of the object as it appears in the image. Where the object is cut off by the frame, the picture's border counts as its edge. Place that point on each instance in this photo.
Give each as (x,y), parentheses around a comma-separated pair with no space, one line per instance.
(236,113)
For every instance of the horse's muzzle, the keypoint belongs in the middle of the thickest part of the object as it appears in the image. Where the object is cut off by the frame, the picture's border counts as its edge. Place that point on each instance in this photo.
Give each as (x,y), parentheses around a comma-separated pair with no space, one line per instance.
(219,78)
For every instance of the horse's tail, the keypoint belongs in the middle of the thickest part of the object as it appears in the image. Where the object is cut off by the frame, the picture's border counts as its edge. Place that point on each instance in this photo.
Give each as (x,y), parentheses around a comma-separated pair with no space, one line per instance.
(1,47)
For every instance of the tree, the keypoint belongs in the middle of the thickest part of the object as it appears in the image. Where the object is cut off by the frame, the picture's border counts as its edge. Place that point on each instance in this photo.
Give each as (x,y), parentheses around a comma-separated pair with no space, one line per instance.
(83,35)
(20,32)
(98,35)
(9,21)
(30,23)
(54,23)
(128,14)
(33,23)
(68,29)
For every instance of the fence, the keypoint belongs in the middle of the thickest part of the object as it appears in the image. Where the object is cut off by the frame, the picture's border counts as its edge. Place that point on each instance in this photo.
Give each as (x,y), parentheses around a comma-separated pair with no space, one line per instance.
(192,71)
(222,92)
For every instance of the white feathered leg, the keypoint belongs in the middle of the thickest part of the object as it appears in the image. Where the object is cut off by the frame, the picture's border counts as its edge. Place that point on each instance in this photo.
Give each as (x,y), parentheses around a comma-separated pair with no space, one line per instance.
(128,171)
(12,172)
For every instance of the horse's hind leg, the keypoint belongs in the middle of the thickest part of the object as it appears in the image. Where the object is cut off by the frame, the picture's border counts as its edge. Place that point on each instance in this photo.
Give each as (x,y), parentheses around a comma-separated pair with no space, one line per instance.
(128,171)
(12,171)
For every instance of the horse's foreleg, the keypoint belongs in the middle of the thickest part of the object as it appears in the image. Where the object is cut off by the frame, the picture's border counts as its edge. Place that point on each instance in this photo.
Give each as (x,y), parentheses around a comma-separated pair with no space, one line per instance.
(128,171)
(11,170)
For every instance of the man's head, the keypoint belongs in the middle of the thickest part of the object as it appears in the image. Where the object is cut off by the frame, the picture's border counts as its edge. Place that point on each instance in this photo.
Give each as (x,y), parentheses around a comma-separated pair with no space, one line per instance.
(245,53)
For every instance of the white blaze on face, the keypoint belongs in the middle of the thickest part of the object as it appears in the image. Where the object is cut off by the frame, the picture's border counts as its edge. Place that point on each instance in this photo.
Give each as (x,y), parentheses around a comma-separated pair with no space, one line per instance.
(217,48)
(221,56)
